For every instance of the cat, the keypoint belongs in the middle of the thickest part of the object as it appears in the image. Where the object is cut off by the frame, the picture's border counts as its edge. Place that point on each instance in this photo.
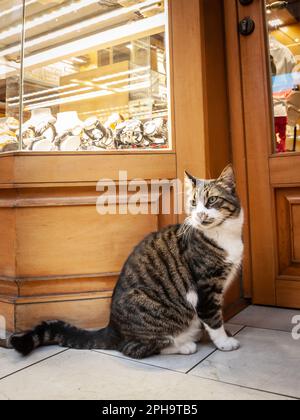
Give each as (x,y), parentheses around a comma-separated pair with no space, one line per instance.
(171,287)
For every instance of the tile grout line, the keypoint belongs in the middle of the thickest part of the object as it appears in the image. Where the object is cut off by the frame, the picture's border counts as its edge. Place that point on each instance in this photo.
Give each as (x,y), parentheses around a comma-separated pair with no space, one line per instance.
(161,367)
(247,387)
(201,377)
(135,361)
(33,364)
(266,329)
(194,367)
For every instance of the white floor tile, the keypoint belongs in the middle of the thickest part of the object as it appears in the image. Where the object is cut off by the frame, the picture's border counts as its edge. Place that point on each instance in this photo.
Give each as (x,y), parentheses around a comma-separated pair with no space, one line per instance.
(180,363)
(11,361)
(89,375)
(268,360)
(266,317)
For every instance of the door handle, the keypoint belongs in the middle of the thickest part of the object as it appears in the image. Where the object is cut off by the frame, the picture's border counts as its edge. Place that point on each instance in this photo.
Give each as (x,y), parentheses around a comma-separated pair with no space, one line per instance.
(246,26)
(246,2)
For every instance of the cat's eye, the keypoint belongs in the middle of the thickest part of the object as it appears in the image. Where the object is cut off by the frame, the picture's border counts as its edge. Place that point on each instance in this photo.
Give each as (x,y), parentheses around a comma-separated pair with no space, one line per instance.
(212,200)
(194,202)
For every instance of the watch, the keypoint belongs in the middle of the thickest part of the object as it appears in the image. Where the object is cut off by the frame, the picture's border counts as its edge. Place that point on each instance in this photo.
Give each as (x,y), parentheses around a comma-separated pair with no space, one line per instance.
(129,133)
(98,135)
(59,139)
(156,131)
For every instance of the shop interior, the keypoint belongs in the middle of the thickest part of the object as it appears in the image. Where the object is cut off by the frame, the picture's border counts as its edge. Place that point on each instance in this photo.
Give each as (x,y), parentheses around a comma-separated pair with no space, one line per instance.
(84,75)
(283,18)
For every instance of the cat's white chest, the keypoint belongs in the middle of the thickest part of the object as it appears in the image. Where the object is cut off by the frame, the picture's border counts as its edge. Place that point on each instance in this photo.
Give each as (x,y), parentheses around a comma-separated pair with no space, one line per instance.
(229,237)
(233,246)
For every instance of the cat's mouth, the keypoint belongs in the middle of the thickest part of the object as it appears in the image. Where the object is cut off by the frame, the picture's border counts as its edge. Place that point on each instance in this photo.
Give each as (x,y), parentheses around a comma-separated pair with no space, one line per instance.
(207,222)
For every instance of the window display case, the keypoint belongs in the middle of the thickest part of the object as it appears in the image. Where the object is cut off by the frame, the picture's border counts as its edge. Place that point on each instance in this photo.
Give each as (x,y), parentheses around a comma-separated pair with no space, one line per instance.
(84,75)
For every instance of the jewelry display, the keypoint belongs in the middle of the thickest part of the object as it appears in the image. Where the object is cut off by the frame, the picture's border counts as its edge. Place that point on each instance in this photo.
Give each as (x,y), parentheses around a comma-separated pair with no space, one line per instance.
(69,140)
(129,134)
(8,137)
(114,120)
(156,131)
(97,135)
(43,132)
(96,76)
(38,133)
(39,138)
(69,130)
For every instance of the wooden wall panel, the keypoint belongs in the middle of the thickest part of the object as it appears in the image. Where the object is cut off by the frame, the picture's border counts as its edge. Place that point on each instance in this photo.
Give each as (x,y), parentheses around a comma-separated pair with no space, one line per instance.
(83,313)
(288,228)
(68,168)
(7,311)
(288,294)
(284,169)
(7,243)
(76,240)
(65,285)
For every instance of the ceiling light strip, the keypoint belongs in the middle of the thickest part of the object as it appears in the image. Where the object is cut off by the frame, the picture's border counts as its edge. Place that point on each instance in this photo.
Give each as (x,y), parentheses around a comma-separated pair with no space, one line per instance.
(48,17)
(86,96)
(122,73)
(16,8)
(109,38)
(119,13)
(43,98)
(43,92)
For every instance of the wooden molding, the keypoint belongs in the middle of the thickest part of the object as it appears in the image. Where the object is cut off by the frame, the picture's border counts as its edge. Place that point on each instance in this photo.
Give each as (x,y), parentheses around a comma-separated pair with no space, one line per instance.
(237,130)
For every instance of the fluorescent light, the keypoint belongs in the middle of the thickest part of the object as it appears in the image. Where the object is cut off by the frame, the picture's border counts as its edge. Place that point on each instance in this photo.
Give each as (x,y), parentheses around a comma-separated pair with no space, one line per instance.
(123,12)
(71,99)
(48,17)
(121,81)
(41,92)
(106,39)
(137,86)
(16,8)
(120,74)
(43,98)
(86,96)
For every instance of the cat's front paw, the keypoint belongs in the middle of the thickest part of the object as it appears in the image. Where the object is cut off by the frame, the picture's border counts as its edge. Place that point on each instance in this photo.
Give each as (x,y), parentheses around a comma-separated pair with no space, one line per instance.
(228,344)
(188,349)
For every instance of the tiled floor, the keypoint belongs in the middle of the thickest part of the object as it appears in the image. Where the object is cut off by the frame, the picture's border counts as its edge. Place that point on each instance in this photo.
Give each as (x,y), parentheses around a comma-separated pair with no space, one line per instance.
(266,367)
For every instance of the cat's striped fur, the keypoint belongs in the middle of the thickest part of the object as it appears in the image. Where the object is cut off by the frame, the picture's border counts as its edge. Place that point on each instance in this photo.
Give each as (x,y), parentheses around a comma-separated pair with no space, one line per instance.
(172,284)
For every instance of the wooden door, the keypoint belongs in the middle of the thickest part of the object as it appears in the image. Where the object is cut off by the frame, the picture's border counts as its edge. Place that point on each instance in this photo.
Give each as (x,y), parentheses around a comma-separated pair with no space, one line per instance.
(265,91)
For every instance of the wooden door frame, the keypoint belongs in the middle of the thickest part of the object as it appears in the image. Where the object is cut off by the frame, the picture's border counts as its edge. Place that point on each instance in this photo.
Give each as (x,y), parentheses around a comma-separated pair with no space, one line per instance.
(203,144)
(252,131)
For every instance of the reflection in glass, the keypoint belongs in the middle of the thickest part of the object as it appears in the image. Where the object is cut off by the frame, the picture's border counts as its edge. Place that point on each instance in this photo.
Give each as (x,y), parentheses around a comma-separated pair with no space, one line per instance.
(11,13)
(95,75)
(283,18)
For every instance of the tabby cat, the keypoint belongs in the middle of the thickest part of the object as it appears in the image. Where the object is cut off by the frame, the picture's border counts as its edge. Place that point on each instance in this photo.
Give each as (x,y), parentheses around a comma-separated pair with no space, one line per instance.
(172,285)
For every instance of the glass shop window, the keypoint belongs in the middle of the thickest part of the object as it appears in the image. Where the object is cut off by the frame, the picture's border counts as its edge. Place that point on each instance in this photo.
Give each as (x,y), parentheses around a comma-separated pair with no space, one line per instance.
(11,13)
(283,23)
(93,75)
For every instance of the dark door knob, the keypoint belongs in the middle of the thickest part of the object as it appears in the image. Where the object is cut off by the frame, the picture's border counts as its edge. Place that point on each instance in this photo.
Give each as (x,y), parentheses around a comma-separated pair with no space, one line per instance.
(246,2)
(246,26)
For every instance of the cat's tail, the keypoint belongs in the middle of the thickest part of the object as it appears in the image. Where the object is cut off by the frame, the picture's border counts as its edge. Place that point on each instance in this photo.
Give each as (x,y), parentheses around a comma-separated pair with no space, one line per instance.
(64,335)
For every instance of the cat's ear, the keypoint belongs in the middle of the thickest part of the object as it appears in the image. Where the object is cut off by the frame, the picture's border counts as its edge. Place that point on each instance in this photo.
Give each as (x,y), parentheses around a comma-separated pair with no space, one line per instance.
(190,180)
(227,178)
(190,184)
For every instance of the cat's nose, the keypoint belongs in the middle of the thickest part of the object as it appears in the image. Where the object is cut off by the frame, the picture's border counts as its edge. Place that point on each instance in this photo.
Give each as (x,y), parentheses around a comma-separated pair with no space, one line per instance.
(202,217)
